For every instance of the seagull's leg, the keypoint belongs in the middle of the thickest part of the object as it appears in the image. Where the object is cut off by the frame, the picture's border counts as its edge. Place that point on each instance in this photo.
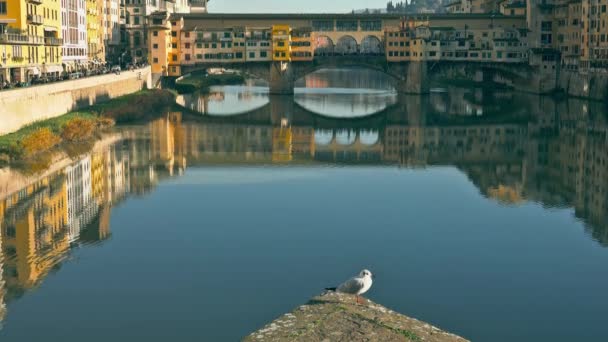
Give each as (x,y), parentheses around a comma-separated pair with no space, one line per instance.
(357,298)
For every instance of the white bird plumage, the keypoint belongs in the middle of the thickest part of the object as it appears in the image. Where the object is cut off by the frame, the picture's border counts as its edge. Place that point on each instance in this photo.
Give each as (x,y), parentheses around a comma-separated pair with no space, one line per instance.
(357,285)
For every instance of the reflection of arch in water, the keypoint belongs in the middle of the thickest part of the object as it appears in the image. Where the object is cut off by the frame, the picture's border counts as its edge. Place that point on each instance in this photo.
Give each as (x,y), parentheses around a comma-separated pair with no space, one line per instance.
(323,137)
(307,109)
(324,46)
(369,137)
(347,45)
(371,45)
(346,137)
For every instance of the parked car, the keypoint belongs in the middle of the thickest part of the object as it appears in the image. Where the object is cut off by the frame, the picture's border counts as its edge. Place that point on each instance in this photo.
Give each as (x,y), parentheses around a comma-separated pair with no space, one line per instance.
(75,75)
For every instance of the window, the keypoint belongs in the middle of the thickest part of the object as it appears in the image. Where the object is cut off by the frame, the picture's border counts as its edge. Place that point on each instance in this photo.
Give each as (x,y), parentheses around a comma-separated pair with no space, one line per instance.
(252,55)
(173,33)
(346,25)
(371,25)
(263,54)
(154,60)
(322,25)
(155,46)
(155,33)
(2,7)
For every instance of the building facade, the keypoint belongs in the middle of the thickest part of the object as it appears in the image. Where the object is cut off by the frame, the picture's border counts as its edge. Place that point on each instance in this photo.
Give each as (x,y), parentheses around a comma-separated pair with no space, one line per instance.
(137,15)
(74,32)
(30,40)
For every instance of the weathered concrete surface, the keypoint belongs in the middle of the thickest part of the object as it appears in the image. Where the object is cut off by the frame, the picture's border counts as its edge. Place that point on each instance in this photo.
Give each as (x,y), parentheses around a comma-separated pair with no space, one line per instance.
(336,317)
(587,85)
(23,106)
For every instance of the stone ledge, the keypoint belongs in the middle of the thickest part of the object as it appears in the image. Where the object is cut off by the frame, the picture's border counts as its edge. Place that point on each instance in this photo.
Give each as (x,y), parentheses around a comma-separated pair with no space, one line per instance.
(336,317)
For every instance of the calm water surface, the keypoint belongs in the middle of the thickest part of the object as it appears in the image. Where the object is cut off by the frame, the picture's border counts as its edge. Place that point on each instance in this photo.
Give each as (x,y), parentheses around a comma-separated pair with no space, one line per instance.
(484,213)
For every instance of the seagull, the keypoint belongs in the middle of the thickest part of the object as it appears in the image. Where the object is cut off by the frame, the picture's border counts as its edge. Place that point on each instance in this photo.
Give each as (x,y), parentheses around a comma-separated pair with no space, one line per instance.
(357,285)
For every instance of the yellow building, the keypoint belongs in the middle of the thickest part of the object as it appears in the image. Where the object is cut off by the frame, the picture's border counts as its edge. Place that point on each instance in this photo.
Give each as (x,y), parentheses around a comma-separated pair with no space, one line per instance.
(302,47)
(30,39)
(406,43)
(281,43)
(163,36)
(95,44)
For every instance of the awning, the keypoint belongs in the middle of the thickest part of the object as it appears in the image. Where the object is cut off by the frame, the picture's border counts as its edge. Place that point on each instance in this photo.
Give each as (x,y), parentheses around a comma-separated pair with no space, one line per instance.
(53,68)
(33,71)
(50,29)
(7,21)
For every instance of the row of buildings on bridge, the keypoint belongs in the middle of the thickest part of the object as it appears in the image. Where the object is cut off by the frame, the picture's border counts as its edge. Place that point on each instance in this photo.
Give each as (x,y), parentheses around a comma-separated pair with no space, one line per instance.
(551,34)
(45,38)
(49,37)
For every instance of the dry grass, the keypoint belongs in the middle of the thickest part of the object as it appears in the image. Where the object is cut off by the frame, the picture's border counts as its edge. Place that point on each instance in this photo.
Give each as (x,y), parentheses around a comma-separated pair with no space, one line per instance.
(78,129)
(40,140)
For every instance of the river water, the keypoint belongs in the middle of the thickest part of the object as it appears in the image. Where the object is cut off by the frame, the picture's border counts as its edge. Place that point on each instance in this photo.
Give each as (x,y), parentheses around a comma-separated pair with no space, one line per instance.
(482,212)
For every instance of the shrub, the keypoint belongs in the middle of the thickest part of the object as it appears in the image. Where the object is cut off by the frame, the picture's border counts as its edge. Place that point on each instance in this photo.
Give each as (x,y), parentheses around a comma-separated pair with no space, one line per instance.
(104,122)
(40,140)
(78,129)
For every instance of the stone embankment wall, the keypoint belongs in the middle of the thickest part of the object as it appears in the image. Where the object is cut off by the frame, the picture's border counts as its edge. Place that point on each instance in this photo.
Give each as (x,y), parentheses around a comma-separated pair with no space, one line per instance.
(336,317)
(23,106)
(587,85)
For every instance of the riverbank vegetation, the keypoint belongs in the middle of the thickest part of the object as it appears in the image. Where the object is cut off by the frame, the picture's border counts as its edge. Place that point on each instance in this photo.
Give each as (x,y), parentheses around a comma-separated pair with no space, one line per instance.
(202,82)
(80,127)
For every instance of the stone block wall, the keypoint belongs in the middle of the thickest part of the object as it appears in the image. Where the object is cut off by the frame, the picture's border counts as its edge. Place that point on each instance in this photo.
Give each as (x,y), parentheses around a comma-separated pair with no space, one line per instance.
(20,107)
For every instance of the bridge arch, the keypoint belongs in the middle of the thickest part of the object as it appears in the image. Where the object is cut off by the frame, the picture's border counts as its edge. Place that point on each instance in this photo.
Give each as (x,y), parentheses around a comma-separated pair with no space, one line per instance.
(371,45)
(324,46)
(347,45)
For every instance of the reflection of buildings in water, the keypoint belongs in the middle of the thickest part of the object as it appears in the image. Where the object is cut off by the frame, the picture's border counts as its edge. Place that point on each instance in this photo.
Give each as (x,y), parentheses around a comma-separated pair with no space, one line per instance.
(282,140)
(167,142)
(81,208)
(40,221)
(347,146)
(34,232)
(303,141)
(558,160)
(316,82)
(347,78)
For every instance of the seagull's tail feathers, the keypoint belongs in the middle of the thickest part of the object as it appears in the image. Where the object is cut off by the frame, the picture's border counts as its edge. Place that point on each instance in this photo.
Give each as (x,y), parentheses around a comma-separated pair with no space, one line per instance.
(331,289)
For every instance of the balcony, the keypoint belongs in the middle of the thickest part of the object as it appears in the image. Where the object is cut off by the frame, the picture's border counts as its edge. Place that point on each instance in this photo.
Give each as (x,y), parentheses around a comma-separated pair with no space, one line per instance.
(16,38)
(53,41)
(35,19)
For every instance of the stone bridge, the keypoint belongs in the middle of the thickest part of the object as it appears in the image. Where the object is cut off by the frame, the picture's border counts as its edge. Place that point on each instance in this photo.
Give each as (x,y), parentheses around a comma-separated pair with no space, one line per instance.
(411,77)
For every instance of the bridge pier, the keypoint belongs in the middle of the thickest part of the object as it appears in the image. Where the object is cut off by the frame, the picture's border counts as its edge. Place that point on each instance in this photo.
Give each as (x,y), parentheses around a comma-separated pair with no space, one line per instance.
(282,78)
(416,79)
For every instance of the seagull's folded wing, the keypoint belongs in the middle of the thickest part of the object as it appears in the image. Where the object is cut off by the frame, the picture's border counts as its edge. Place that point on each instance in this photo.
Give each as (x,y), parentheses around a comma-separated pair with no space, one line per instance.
(353,286)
